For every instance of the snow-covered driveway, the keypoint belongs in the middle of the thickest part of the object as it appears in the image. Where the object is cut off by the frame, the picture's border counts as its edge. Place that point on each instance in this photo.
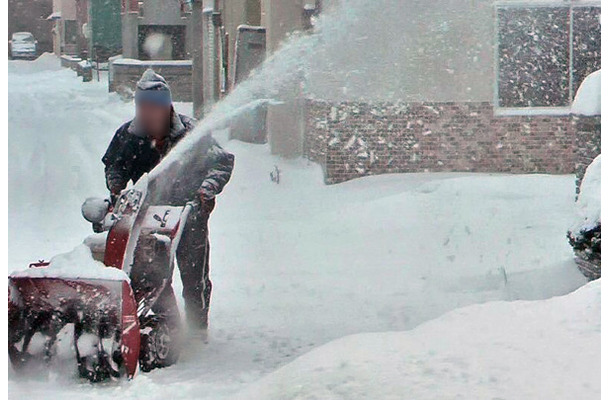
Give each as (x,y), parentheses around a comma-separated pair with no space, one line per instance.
(294,265)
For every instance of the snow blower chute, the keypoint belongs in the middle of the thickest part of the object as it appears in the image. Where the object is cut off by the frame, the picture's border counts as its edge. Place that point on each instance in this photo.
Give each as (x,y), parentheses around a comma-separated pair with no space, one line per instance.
(114,316)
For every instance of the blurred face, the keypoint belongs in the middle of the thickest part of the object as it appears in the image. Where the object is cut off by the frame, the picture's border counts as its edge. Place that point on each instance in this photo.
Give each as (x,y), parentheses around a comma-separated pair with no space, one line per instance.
(153,118)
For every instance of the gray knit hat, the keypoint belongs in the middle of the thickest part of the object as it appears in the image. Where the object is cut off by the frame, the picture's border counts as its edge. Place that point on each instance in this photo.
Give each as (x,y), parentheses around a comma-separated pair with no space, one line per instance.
(152,88)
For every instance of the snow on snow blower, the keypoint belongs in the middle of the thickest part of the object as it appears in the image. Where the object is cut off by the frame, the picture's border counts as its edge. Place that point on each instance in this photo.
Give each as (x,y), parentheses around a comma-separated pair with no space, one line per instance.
(113,316)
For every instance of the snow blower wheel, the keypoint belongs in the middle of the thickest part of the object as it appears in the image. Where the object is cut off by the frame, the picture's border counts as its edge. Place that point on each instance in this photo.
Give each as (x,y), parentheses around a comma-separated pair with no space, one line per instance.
(158,346)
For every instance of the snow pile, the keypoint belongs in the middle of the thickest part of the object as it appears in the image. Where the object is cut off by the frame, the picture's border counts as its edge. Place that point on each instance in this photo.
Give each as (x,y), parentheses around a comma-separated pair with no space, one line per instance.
(588,205)
(76,264)
(588,97)
(547,349)
(84,64)
(46,62)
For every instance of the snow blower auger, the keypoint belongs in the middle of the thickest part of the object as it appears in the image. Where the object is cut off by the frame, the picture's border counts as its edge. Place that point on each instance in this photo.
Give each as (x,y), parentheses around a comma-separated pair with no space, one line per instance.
(111,323)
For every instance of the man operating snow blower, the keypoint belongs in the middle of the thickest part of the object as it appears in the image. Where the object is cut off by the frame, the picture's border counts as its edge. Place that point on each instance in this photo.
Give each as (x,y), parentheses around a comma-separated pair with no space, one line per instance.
(137,147)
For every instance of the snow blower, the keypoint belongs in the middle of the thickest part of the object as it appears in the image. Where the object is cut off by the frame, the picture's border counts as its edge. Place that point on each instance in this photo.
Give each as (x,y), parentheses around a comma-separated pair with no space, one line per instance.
(113,316)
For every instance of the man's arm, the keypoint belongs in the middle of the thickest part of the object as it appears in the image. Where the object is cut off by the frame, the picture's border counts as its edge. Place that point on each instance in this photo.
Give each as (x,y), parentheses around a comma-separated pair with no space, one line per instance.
(220,166)
(117,163)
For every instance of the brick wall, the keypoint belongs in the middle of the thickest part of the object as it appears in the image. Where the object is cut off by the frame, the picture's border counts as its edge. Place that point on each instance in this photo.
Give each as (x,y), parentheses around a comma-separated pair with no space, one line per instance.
(356,139)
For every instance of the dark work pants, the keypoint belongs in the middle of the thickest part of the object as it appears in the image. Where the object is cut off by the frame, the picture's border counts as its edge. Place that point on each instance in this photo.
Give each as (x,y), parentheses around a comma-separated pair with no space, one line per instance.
(193,255)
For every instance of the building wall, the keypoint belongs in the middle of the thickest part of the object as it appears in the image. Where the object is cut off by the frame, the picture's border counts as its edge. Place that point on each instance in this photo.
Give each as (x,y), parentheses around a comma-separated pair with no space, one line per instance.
(83,47)
(280,17)
(162,16)
(126,73)
(234,13)
(105,25)
(445,54)
(70,39)
(430,50)
(129,34)
(284,121)
(354,139)
(66,7)
(162,12)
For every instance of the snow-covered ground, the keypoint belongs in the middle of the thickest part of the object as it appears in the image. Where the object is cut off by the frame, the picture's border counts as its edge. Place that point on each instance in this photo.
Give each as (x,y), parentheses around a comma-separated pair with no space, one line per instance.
(298,264)
(500,350)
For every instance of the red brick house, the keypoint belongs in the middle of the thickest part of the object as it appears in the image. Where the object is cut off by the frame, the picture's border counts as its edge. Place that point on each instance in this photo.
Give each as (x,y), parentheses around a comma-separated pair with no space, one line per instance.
(483,86)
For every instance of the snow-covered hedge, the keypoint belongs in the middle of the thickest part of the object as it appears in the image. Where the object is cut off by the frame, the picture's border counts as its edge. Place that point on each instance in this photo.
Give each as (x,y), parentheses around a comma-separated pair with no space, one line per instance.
(585,234)
(588,205)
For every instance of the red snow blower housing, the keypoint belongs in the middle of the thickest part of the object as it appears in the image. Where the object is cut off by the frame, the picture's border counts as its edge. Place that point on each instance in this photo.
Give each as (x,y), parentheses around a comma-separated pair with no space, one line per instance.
(112,321)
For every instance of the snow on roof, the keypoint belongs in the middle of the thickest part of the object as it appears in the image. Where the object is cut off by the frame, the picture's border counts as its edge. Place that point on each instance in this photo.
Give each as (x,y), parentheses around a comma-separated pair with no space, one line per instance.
(588,97)
(251,27)
(133,61)
(54,15)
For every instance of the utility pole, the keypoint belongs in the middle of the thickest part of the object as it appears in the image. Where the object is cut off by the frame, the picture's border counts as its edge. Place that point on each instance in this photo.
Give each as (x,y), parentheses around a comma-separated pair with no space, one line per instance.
(197,54)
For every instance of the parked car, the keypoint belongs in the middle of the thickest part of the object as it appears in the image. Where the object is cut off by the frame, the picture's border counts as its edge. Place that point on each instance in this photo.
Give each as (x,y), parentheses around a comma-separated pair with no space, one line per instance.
(23,45)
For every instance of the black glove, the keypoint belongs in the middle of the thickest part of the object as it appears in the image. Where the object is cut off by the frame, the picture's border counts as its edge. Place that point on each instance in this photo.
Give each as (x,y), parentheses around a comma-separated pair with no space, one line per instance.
(206,205)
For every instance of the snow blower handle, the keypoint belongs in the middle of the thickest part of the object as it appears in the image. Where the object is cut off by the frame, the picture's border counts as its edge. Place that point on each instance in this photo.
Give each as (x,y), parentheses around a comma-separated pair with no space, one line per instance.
(188,208)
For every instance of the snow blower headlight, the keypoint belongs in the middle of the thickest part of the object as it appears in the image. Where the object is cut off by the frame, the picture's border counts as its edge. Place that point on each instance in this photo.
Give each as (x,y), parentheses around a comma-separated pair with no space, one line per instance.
(95,209)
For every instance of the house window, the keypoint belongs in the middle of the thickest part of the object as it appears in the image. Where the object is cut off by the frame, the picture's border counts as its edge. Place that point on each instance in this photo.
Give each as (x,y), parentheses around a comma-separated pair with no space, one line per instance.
(543,53)
(587,38)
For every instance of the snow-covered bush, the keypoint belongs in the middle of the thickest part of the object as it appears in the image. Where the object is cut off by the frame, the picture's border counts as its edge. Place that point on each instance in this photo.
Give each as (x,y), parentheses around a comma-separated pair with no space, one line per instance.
(588,97)
(585,234)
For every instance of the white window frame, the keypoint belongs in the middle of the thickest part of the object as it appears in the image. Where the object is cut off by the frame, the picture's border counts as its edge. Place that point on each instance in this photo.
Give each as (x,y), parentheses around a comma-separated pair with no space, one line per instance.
(528,4)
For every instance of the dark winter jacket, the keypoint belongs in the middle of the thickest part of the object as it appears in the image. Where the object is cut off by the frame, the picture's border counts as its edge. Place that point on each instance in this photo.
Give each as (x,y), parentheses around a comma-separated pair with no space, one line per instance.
(132,153)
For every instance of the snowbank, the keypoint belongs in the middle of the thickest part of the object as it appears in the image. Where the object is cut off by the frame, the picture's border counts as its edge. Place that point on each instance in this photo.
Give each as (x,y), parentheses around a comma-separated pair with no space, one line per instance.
(547,349)
(46,62)
(588,205)
(75,264)
(588,97)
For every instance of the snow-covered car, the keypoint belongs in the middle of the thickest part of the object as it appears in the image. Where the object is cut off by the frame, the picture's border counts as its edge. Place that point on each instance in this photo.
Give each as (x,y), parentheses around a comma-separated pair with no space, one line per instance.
(585,234)
(23,45)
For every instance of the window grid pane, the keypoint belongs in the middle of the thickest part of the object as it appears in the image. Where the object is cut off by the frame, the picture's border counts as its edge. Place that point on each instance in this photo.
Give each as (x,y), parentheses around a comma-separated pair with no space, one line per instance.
(534,52)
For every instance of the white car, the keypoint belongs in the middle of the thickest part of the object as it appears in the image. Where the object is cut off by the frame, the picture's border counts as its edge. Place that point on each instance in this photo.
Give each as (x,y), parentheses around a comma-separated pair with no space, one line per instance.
(23,45)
